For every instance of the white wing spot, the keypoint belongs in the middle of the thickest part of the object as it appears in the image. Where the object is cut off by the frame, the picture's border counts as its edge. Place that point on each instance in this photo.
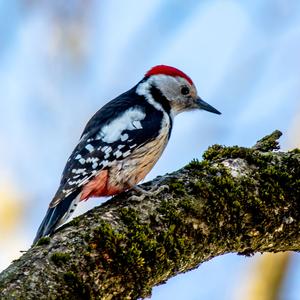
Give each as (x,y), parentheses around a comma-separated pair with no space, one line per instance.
(82,161)
(89,147)
(78,171)
(95,165)
(108,150)
(105,163)
(74,182)
(126,153)
(78,156)
(92,159)
(124,137)
(121,146)
(118,153)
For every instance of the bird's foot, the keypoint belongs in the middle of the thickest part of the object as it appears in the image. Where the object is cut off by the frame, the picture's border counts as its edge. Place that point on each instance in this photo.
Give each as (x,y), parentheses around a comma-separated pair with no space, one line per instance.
(150,193)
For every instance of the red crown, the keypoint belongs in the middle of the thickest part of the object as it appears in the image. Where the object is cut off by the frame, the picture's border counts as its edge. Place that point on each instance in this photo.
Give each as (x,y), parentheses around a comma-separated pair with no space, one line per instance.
(167,70)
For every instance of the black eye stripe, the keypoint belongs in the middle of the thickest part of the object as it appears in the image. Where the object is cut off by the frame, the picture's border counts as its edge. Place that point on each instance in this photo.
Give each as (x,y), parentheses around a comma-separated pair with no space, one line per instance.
(185,90)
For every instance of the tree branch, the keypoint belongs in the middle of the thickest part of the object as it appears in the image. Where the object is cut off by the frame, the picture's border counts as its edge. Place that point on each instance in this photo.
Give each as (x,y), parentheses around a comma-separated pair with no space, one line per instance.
(241,200)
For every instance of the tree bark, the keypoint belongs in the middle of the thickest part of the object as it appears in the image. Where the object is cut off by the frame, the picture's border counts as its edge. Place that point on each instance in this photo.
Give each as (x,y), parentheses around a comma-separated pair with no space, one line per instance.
(236,200)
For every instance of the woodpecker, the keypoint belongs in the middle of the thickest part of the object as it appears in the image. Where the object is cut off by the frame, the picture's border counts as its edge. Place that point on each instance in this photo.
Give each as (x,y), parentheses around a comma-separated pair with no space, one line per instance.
(122,142)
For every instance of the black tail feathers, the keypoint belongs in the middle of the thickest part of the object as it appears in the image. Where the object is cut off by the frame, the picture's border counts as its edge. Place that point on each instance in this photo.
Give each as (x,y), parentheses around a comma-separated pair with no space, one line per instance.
(56,215)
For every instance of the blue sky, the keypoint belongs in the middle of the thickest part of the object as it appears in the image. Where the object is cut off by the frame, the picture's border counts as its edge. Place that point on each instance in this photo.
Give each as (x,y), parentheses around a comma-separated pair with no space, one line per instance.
(61,63)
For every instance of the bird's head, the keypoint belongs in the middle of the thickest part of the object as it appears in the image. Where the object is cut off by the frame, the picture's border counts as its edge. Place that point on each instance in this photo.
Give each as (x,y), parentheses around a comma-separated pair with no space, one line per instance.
(171,87)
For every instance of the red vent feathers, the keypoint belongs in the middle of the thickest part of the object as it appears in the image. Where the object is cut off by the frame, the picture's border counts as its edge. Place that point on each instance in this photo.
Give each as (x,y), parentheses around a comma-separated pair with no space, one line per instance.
(166,70)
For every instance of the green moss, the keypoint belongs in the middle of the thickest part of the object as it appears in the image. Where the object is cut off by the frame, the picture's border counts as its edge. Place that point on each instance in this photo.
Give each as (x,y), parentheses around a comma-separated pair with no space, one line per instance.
(43,241)
(194,164)
(59,258)
(269,142)
(75,221)
(217,152)
(148,252)
(176,186)
(70,278)
(78,289)
(295,151)
(252,156)
(266,144)
(239,197)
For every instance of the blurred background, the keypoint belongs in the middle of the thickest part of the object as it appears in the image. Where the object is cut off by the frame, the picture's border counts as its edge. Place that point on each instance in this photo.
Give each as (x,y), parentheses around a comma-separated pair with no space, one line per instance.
(60,61)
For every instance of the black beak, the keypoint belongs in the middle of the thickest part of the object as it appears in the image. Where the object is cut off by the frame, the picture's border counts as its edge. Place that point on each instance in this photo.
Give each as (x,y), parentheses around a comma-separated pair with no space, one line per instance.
(205,106)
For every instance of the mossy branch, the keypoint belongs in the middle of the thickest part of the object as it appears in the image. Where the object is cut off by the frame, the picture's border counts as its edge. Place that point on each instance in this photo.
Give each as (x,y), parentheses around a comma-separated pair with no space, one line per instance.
(241,200)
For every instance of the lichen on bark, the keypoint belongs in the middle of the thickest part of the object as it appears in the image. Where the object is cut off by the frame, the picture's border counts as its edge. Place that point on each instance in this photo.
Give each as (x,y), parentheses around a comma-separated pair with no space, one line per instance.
(237,199)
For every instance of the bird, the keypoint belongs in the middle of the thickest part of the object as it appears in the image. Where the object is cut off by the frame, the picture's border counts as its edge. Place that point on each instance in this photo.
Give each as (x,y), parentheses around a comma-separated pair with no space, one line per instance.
(122,142)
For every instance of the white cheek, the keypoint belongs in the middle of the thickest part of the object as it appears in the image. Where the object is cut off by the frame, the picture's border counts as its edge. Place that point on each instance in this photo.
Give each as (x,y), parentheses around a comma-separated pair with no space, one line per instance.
(143,89)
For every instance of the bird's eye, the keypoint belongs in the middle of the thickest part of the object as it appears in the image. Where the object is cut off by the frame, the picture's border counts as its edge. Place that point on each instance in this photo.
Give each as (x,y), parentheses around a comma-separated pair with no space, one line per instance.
(185,90)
